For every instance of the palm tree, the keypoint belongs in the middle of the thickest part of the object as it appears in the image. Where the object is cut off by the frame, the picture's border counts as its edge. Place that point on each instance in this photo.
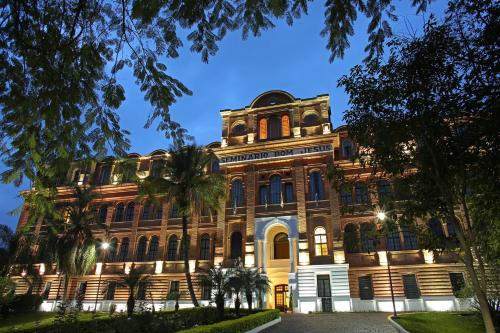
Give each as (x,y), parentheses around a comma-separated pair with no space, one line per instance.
(70,236)
(262,285)
(235,287)
(184,180)
(218,279)
(131,281)
(253,281)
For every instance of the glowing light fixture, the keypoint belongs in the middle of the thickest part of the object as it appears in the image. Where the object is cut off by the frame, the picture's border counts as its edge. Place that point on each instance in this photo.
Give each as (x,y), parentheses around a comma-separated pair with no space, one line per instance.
(381,215)
(105,245)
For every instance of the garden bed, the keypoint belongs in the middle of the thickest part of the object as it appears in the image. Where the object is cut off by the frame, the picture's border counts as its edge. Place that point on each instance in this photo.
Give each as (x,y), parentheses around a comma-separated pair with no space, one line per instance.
(186,320)
(441,322)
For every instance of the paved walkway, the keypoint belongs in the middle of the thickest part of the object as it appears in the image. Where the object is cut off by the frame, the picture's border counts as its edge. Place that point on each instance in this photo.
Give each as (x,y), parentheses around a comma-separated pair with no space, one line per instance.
(368,322)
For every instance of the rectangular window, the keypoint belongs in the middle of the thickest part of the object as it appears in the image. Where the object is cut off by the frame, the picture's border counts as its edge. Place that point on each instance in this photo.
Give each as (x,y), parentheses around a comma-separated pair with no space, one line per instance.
(289,192)
(110,291)
(365,287)
(325,292)
(174,286)
(206,292)
(141,290)
(324,289)
(411,286)
(46,290)
(263,195)
(457,282)
(82,288)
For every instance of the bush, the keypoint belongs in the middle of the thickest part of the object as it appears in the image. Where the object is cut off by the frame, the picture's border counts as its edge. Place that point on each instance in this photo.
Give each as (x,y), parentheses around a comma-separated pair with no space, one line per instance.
(26,303)
(239,325)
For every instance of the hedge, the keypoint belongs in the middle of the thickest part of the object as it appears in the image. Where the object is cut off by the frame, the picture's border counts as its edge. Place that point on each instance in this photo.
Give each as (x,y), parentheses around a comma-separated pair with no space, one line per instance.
(239,325)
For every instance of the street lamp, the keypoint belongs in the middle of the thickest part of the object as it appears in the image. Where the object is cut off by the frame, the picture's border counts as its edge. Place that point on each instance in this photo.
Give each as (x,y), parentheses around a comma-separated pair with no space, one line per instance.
(104,246)
(381,216)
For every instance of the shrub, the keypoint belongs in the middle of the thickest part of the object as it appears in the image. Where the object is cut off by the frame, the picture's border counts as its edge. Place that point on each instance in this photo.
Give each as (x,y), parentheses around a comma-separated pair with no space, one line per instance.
(112,309)
(25,303)
(239,325)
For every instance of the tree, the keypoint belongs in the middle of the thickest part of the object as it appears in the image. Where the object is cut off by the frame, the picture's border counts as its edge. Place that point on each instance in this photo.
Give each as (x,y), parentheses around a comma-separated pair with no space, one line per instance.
(60,64)
(70,236)
(425,117)
(218,279)
(131,281)
(6,236)
(253,281)
(235,287)
(185,182)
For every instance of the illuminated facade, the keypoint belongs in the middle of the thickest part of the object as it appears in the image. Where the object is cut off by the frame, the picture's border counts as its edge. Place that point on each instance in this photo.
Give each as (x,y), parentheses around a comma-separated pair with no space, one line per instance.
(281,216)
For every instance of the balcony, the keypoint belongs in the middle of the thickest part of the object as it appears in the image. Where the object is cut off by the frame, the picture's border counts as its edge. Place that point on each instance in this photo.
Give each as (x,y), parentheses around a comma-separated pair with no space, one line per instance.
(406,257)
(362,259)
(121,225)
(356,209)
(149,223)
(289,208)
(318,205)
(238,211)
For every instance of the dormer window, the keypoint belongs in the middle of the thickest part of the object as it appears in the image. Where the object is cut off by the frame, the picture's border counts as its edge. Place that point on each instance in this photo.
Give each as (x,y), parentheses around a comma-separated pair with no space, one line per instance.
(274,128)
(347,149)
(310,119)
(239,129)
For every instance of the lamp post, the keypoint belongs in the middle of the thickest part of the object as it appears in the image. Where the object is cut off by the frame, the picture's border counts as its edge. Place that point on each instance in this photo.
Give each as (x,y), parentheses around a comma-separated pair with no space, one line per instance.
(104,246)
(381,216)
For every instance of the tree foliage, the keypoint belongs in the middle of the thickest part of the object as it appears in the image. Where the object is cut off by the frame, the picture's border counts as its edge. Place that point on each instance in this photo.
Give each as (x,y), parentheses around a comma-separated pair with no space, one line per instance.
(427,115)
(60,64)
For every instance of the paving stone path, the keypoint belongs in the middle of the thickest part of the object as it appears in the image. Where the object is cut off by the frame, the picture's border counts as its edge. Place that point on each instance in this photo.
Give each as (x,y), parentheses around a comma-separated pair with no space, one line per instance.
(368,322)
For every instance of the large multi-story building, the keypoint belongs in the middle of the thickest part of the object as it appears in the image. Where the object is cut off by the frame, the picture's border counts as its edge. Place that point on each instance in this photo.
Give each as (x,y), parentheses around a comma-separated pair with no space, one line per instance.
(281,215)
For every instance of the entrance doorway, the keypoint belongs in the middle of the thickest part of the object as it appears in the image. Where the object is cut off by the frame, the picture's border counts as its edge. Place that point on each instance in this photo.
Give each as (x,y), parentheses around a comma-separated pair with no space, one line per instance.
(280,298)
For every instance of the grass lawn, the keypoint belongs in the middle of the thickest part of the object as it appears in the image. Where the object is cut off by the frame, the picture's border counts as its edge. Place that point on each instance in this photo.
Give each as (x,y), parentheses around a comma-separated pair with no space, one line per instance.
(441,322)
(29,320)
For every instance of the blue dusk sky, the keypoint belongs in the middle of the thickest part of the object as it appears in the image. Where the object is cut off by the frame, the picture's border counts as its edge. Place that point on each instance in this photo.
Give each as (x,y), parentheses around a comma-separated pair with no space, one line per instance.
(293,59)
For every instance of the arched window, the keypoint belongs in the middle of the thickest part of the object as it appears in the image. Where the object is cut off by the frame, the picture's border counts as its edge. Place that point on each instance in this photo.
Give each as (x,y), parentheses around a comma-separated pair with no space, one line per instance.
(236,245)
(351,241)
(436,227)
(181,249)
(141,249)
(120,208)
(347,151)
(346,195)
(289,197)
(129,215)
(361,193)
(237,193)
(320,244)
(239,129)
(146,209)
(263,129)
(383,189)
(103,212)
(409,238)
(112,250)
(123,255)
(281,246)
(158,212)
(275,189)
(153,248)
(274,126)
(263,200)
(215,165)
(367,232)
(285,125)
(172,248)
(316,190)
(205,247)
(175,211)
(105,175)
(76,176)
(393,242)
(310,119)
(451,229)
(157,168)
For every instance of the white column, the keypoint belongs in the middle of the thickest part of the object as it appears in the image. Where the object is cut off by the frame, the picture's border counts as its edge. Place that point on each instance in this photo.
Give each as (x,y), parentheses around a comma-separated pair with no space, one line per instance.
(264,253)
(292,253)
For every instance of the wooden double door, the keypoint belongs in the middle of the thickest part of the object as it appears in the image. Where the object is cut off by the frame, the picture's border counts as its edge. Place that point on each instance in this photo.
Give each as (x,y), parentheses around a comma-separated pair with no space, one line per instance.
(280,296)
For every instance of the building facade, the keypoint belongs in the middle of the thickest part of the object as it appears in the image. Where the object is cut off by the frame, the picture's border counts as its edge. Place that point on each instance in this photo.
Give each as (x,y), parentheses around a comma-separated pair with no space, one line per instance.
(281,215)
